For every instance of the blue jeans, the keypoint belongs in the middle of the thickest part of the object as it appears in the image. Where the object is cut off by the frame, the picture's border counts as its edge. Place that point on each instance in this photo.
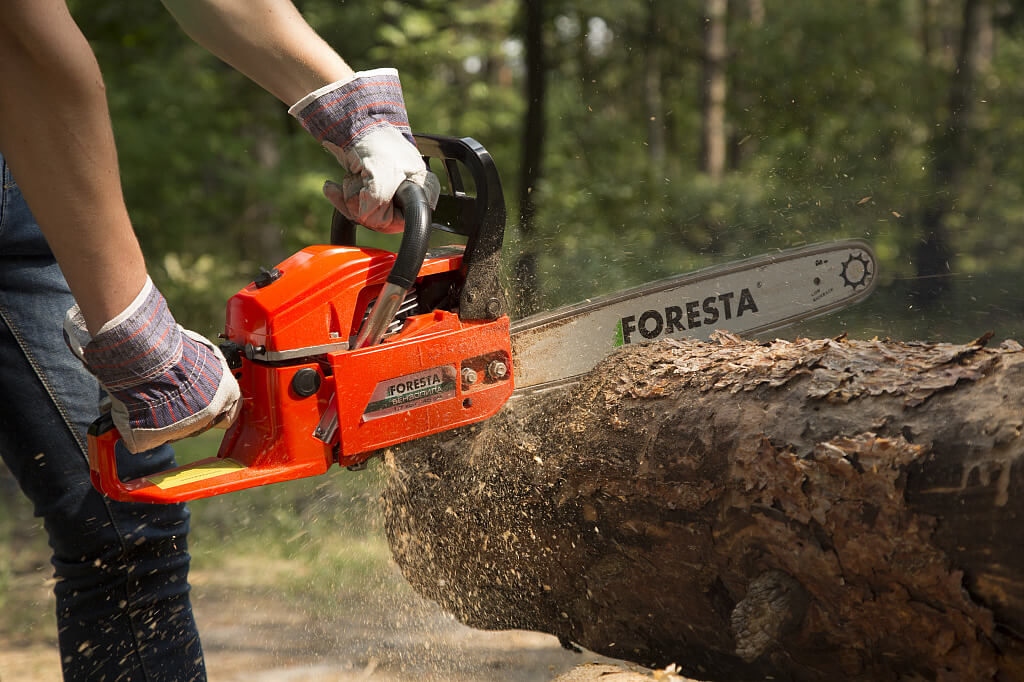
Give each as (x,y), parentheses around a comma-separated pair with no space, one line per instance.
(123,610)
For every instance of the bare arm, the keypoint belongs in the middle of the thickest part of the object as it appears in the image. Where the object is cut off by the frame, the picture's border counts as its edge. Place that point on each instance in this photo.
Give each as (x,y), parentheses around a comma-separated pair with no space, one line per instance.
(267,40)
(55,133)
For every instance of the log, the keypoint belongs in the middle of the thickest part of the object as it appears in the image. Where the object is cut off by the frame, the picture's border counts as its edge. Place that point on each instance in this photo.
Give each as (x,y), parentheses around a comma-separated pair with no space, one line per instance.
(795,510)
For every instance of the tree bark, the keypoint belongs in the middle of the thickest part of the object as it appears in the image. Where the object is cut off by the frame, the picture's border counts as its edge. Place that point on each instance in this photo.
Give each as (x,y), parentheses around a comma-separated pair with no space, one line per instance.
(951,151)
(713,89)
(653,100)
(808,510)
(533,154)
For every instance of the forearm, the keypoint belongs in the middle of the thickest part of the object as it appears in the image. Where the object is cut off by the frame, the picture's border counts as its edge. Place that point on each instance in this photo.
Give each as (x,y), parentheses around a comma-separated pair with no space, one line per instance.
(267,40)
(55,133)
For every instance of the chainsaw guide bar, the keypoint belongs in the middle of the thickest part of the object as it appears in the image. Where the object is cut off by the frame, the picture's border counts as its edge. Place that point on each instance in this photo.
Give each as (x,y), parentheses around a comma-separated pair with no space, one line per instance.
(746,297)
(343,350)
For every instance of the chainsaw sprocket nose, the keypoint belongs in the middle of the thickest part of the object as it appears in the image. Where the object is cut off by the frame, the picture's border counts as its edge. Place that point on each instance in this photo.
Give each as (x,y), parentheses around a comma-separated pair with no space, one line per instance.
(317,387)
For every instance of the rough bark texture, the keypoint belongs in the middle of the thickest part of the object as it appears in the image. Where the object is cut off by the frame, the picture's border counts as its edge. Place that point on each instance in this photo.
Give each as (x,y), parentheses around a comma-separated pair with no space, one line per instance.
(809,510)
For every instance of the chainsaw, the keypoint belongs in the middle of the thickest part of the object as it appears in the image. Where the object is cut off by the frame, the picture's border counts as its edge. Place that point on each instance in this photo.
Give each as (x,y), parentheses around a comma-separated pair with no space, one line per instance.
(342,350)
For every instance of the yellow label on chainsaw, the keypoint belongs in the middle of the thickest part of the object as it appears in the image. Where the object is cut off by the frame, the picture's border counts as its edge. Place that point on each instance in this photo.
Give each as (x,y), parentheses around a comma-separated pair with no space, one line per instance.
(199,472)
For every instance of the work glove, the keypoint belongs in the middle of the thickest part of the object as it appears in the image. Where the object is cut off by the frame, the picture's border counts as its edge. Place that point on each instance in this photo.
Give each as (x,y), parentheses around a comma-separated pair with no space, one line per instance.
(363,122)
(164,382)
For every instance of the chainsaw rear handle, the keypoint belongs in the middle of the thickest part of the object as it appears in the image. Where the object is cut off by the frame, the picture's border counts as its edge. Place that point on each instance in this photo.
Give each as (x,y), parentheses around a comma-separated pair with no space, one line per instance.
(103,436)
(103,439)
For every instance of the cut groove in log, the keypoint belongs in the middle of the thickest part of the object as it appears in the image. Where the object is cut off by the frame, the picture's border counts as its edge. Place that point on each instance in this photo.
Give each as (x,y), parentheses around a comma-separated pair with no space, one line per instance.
(809,510)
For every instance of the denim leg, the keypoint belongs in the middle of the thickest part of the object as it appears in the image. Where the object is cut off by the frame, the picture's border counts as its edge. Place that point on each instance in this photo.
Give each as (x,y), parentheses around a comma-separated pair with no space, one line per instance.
(123,610)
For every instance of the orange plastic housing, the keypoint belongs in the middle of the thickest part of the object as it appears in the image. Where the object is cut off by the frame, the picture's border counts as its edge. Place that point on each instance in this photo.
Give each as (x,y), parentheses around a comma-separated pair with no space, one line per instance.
(437,373)
(316,301)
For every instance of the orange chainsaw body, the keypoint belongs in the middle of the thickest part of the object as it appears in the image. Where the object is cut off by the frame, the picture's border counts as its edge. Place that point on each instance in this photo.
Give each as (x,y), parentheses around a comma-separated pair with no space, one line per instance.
(308,400)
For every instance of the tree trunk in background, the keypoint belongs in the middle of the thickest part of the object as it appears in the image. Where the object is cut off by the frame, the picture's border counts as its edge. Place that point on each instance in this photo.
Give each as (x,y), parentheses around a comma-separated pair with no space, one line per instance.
(809,510)
(928,38)
(952,152)
(653,99)
(742,144)
(260,236)
(755,11)
(713,89)
(532,158)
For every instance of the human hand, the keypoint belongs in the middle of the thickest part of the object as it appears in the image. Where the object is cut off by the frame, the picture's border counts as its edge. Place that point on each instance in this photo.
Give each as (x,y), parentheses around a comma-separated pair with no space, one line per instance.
(363,122)
(165,382)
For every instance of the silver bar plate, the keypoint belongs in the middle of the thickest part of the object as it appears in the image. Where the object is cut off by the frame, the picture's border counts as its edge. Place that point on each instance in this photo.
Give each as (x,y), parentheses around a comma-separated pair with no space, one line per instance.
(298,353)
(745,297)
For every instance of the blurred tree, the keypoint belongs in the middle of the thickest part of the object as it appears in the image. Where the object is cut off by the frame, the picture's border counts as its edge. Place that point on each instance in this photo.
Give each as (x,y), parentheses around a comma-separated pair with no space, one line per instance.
(713,89)
(653,95)
(532,145)
(952,152)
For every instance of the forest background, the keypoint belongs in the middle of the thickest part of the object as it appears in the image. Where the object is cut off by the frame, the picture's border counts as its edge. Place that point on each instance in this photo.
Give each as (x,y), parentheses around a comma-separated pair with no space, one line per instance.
(636,139)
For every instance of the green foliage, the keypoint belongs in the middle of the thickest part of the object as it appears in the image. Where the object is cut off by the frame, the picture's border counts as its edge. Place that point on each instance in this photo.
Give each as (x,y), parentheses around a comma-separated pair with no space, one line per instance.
(834,111)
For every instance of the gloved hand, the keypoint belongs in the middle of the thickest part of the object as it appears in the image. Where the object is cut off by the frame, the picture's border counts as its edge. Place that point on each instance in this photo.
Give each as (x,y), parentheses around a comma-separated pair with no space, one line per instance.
(165,382)
(363,122)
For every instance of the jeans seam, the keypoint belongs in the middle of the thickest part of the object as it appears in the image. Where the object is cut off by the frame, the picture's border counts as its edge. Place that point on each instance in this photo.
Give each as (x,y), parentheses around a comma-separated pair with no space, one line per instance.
(3,192)
(43,380)
(83,451)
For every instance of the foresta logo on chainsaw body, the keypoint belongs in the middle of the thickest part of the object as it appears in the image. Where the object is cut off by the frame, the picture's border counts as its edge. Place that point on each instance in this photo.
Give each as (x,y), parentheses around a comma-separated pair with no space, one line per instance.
(651,324)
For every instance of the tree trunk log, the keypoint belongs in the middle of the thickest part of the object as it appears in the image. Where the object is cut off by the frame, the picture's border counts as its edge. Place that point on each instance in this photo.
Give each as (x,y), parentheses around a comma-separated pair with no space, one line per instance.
(808,510)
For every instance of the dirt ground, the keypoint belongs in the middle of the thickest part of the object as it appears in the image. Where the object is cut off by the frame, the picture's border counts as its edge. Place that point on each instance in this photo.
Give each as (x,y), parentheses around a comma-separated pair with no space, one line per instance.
(254,631)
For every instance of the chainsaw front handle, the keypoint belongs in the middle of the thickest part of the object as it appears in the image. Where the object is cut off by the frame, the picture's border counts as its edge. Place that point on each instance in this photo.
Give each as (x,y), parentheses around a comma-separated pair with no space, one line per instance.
(411,198)
(472,205)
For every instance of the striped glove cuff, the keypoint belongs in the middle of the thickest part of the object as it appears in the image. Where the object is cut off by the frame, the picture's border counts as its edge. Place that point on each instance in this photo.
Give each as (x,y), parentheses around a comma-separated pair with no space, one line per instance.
(344,112)
(165,382)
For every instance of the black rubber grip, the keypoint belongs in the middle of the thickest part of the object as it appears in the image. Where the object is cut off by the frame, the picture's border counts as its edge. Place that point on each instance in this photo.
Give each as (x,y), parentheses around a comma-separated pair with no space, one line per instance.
(413,202)
(102,424)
